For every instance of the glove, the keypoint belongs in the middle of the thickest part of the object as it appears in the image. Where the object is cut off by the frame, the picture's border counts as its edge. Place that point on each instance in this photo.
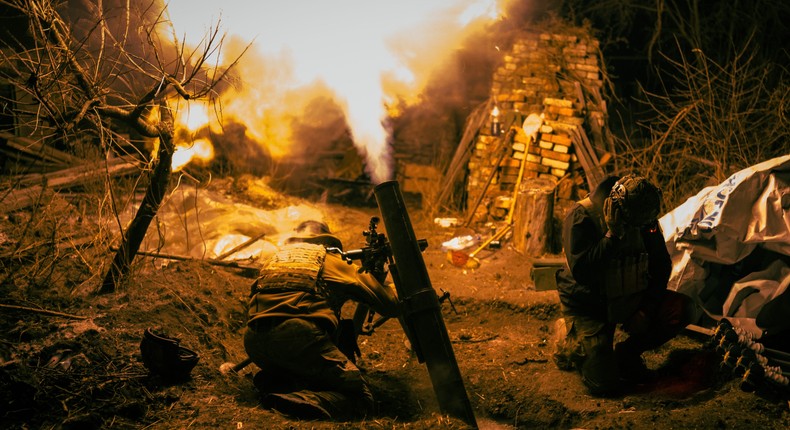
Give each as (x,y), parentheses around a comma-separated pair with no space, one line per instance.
(613,219)
(347,340)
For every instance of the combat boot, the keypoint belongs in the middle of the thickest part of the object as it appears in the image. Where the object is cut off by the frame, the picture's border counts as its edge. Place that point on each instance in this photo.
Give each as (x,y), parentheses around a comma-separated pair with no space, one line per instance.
(299,404)
(631,366)
(568,353)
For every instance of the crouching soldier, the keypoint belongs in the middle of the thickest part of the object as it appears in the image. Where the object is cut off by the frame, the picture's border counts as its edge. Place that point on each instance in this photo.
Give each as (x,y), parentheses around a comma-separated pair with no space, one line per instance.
(292,328)
(616,273)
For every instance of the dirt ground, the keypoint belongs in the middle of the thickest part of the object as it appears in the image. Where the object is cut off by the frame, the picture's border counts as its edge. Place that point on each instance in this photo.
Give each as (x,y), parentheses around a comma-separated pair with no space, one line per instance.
(82,369)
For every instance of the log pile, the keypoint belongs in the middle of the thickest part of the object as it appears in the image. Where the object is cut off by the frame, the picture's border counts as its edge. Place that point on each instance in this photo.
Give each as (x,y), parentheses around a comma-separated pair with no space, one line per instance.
(55,171)
(33,154)
(564,143)
(557,76)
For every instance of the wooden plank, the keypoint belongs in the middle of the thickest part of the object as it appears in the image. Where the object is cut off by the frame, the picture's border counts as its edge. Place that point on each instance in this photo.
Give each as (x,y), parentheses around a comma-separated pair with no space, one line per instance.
(22,198)
(503,151)
(608,139)
(463,152)
(21,161)
(51,178)
(471,129)
(578,149)
(596,169)
(38,149)
(581,102)
(582,155)
(503,143)
(548,261)
(587,146)
(213,262)
(238,248)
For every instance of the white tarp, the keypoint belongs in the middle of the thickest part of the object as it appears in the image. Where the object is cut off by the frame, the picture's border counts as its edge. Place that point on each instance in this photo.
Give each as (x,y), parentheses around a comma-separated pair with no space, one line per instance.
(724,224)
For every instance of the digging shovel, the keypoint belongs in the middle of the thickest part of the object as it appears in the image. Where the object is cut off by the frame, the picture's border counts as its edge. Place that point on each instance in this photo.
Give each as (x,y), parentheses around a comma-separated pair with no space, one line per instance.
(531,127)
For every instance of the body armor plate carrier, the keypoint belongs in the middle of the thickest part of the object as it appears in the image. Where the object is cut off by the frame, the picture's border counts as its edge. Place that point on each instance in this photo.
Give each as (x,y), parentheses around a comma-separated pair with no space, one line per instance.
(295,267)
(626,275)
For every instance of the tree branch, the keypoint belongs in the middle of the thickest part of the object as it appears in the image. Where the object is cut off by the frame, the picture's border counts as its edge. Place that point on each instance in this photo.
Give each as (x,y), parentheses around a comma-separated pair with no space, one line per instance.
(137,122)
(43,311)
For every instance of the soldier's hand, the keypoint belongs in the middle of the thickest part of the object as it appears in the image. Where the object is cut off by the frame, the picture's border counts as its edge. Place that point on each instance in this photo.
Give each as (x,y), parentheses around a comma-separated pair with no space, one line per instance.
(639,323)
(613,219)
(347,340)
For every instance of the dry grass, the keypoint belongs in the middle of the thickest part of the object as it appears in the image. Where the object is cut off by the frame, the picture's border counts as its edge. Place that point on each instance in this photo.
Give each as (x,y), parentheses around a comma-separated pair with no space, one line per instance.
(711,121)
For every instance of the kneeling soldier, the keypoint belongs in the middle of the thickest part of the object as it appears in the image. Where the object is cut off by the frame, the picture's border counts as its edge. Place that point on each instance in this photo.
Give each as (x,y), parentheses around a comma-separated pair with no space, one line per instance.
(292,329)
(616,273)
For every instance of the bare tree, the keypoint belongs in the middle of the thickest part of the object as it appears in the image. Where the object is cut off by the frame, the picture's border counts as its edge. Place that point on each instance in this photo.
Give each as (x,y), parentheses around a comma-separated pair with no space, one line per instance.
(712,92)
(717,119)
(105,67)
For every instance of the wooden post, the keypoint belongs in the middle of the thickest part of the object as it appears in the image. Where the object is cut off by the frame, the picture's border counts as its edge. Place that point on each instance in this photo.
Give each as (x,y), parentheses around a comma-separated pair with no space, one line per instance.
(533,216)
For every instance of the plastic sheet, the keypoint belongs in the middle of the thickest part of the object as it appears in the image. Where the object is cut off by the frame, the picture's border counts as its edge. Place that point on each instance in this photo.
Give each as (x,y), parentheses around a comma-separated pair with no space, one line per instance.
(739,228)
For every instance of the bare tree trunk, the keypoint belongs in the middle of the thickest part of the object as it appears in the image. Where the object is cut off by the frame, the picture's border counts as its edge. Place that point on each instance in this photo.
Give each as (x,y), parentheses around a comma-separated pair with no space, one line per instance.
(160,180)
(80,83)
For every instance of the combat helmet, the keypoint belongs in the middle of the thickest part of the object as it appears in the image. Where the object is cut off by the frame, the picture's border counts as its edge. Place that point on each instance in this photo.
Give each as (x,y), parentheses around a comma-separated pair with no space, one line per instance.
(317,232)
(637,198)
(165,357)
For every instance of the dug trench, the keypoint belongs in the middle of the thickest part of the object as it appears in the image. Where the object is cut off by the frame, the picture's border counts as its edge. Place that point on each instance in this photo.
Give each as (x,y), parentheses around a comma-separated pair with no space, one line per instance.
(82,368)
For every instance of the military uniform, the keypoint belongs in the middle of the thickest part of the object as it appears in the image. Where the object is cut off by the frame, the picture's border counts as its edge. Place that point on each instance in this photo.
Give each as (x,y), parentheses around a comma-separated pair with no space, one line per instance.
(610,280)
(292,319)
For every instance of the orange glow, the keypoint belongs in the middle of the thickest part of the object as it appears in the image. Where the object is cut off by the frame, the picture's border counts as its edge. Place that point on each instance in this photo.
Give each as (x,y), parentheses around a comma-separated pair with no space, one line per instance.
(195,117)
(200,149)
(365,56)
(228,242)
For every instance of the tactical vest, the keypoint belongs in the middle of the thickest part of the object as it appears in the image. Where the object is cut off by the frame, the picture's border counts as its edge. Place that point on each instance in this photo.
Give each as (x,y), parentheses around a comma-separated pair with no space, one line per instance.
(294,267)
(626,275)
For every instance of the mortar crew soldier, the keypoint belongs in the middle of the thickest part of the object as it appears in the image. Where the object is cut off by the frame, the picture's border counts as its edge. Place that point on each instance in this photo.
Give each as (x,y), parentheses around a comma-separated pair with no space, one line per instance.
(293,318)
(616,272)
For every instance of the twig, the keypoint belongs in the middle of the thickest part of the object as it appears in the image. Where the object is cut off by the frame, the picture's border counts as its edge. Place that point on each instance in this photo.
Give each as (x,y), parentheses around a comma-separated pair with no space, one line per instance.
(487,339)
(530,360)
(43,311)
(238,248)
(182,258)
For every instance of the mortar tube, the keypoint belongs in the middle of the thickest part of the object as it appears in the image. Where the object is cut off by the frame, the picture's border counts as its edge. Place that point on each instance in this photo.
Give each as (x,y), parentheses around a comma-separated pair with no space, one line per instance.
(422,310)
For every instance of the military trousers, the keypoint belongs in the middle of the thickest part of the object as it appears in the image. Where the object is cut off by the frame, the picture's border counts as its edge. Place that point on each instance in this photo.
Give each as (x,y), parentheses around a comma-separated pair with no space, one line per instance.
(298,356)
(588,346)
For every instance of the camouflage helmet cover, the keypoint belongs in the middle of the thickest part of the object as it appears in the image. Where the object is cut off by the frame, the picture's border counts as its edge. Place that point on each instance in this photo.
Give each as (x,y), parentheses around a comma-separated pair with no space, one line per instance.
(638,199)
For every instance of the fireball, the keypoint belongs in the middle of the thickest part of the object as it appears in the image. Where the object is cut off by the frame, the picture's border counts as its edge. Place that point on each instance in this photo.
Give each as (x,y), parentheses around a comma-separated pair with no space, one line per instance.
(199,149)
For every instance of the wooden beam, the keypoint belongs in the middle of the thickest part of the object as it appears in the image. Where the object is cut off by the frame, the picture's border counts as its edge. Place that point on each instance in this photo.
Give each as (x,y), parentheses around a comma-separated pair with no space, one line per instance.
(587,158)
(22,198)
(52,178)
(238,248)
(464,151)
(504,143)
(38,149)
(213,262)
